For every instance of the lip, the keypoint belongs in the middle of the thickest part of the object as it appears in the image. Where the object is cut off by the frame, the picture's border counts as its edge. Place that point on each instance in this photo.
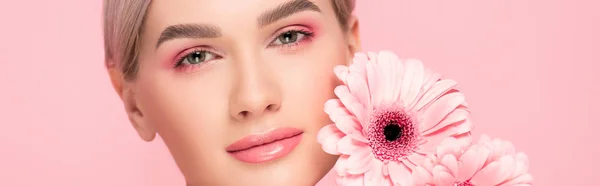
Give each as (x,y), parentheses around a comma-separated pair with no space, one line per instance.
(265,147)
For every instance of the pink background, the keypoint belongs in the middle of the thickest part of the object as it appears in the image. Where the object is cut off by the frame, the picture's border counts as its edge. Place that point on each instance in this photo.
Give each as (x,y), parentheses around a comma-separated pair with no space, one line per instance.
(527,68)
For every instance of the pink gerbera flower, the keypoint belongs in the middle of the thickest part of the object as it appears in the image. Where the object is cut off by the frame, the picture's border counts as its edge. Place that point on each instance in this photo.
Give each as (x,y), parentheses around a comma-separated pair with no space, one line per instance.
(487,163)
(390,114)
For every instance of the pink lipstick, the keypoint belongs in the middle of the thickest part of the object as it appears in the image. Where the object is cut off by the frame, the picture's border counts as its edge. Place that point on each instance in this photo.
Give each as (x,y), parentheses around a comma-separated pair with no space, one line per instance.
(265,147)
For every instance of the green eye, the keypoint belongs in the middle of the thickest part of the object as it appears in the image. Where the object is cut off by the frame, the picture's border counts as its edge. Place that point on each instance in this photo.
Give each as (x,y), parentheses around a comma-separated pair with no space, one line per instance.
(288,37)
(196,57)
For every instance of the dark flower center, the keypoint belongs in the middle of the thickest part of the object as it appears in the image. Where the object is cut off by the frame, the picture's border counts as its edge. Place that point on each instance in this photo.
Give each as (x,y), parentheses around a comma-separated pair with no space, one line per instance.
(393,134)
(392,131)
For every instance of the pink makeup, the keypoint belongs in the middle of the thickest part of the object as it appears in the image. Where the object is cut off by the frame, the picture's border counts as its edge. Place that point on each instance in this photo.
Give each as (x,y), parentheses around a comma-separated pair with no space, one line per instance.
(271,145)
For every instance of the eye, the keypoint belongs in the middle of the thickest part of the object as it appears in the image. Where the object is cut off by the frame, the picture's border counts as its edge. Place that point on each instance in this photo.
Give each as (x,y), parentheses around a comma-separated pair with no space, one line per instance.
(196,57)
(290,37)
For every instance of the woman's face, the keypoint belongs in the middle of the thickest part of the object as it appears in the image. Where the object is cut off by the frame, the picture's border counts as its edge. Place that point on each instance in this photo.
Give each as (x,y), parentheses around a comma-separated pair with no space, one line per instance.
(236,88)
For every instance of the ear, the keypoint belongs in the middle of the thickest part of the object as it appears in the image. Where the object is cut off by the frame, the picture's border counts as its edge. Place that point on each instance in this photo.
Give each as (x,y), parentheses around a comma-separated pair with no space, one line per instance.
(126,92)
(353,36)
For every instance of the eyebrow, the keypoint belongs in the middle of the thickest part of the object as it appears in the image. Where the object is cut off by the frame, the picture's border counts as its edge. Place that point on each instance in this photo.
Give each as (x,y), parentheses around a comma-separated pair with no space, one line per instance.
(188,31)
(213,31)
(285,10)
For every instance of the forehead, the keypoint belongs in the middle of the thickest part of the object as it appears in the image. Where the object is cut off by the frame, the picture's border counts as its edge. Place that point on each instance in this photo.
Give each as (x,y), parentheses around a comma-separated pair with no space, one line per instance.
(223,13)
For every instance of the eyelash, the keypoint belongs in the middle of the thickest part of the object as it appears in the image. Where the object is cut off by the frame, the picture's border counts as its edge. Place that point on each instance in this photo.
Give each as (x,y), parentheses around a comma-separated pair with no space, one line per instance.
(307,36)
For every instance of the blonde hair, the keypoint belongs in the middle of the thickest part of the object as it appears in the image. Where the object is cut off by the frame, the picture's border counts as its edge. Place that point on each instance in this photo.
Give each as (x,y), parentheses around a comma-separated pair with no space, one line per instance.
(123,23)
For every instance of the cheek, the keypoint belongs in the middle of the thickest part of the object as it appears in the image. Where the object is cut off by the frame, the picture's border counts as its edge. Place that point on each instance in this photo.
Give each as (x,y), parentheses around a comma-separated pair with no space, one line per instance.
(309,81)
(185,114)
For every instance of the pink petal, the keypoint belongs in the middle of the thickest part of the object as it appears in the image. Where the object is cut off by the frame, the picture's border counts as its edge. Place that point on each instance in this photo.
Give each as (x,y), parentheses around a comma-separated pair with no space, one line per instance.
(359,65)
(421,176)
(525,179)
(339,113)
(386,75)
(451,164)
(359,89)
(375,175)
(332,105)
(438,90)
(399,74)
(374,85)
(327,131)
(412,81)
(522,165)
(434,139)
(351,127)
(353,180)
(500,148)
(341,72)
(399,173)
(360,161)
(495,172)
(329,145)
(440,108)
(341,164)
(455,116)
(449,146)
(428,163)
(372,56)
(347,145)
(430,79)
(384,169)
(441,176)
(471,162)
(416,159)
(343,93)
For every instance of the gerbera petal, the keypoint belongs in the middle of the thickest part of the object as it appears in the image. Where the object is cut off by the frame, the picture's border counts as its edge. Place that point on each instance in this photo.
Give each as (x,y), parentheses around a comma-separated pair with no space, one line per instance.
(347,145)
(416,159)
(341,164)
(348,125)
(359,89)
(351,126)
(439,89)
(412,81)
(456,115)
(343,93)
(421,176)
(359,65)
(329,145)
(495,172)
(471,162)
(361,161)
(375,175)
(341,71)
(399,74)
(399,173)
(450,162)
(434,139)
(522,165)
(440,108)
(386,75)
(430,79)
(441,176)
(372,56)
(353,180)
(449,145)
(374,85)
(338,113)
(327,131)
(332,105)
(525,179)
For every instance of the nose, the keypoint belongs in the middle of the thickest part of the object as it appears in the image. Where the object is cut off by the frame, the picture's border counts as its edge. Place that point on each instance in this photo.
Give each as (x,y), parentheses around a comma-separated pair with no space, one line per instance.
(256,91)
